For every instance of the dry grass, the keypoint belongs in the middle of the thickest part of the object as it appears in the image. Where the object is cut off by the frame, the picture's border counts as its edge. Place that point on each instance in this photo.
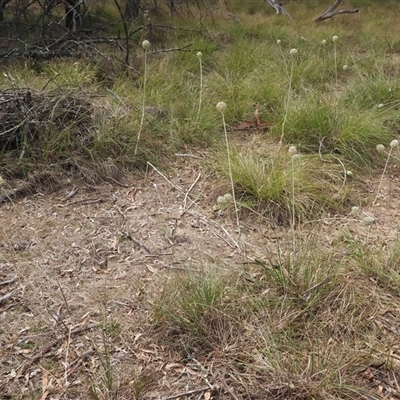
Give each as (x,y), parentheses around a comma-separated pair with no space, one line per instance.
(139,285)
(120,293)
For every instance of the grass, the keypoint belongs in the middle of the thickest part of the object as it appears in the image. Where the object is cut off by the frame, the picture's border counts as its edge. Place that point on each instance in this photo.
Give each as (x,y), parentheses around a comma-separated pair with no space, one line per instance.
(309,314)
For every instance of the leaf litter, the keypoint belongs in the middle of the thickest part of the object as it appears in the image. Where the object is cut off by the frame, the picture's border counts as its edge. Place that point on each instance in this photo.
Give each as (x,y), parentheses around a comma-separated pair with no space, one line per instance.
(79,267)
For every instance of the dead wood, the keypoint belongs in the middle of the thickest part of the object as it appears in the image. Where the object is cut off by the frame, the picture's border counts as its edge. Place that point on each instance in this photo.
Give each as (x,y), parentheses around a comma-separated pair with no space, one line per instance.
(278,7)
(331,12)
(35,358)
(4,298)
(9,282)
(24,113)
(188,393)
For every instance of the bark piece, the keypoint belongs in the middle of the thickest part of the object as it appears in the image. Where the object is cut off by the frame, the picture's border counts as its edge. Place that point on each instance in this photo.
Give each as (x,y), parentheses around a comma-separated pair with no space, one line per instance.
(331,12)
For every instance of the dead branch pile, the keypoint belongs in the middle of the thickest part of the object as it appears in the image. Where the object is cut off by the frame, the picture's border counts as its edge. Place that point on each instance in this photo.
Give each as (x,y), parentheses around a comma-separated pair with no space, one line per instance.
(24,114)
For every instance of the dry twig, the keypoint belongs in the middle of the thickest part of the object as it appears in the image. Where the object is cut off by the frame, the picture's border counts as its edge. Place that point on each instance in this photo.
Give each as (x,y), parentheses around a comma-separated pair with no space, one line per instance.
(187,394)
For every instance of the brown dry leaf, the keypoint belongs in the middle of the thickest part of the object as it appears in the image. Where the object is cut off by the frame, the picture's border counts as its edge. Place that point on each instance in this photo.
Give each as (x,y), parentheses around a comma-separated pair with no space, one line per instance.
(368,375)
(173,366)
(255,123)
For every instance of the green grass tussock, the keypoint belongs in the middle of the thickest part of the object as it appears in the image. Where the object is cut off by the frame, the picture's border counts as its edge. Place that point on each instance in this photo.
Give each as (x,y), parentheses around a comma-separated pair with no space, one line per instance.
(308,324)
(267,180)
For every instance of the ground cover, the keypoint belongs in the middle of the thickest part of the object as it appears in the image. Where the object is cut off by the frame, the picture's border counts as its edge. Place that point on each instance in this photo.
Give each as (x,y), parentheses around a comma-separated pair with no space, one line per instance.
(155,246)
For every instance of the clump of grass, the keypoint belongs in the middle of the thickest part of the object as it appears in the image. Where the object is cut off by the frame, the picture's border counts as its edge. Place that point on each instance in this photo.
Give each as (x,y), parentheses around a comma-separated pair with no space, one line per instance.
(378,263)
(322,125)
(269,183)
(195,309)
(296,325)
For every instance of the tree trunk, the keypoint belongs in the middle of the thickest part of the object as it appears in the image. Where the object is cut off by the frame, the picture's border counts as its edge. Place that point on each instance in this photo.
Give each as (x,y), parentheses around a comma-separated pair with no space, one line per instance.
(132,9)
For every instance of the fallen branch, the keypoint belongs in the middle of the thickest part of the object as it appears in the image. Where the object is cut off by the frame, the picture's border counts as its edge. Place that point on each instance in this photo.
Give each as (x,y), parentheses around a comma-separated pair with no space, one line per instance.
(278,7)
(187,394)
(6,297)
(9,282)
(35,358)
(331,12)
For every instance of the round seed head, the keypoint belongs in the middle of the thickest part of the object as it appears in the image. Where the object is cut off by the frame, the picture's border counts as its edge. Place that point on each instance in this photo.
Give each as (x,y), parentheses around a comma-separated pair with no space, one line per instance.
(368,220)
(394,143)
(380,148)
(293,52)
(355,210)
(345,67)
(323,42)
(278,42)
(335,38)
(146,45)
(292,150)
(221,106)
(199,54)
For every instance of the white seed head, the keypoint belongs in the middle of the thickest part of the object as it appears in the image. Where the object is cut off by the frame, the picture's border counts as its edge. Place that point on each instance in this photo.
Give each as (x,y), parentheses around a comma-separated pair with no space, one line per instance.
(293,52)
(349,173)
(221,106)
(323,42)
(199,54)
(1,181)
(335,38)
(394,143)
(278,42)
(345,67)
(228,197)
(368,220)
(292,150)
(224,200)
(355,210)
(146,45)
(380,148)
(381,105)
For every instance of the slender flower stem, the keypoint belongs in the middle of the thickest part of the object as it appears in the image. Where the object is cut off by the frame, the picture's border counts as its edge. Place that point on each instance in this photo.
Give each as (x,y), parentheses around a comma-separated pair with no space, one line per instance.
(334,40)
(289,95)
(293,199)
(230,172)
(382,176)
(143,103)
(201,84)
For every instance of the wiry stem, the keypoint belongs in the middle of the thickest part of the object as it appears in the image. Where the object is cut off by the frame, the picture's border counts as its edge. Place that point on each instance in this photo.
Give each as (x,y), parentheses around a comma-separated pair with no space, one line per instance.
(230,173)
(335,57)
(201,87)
(287,104)
(382,176)
(143,103)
